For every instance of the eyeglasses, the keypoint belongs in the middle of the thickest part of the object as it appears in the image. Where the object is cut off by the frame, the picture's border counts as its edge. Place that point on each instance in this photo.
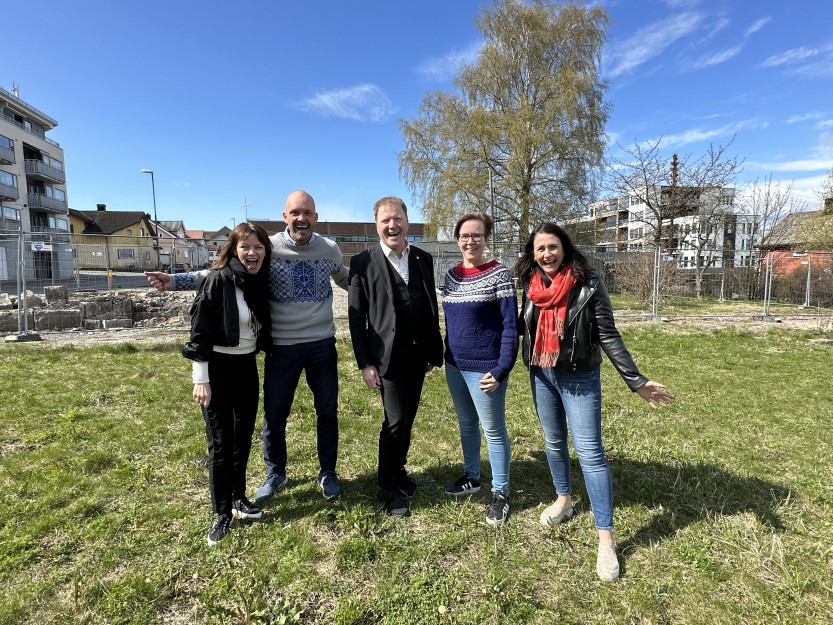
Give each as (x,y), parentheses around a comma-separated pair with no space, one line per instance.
(477,238)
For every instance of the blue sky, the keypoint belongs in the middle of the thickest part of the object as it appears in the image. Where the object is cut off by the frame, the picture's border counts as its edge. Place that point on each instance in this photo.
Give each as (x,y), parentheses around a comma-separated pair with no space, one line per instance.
(252,100)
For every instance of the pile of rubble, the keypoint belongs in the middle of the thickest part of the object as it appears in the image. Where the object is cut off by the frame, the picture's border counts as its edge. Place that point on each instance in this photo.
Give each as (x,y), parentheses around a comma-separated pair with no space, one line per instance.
(58,309)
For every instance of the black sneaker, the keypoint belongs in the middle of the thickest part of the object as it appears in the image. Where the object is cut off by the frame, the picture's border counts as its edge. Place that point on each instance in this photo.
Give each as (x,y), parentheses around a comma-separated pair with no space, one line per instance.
(407,485)
(330,485)
(220,529)
(498,510)
(395,504)
(464,486)
(244,509)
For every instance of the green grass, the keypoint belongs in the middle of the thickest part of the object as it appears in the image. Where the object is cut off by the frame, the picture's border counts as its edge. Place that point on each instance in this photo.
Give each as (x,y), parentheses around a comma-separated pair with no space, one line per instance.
(723,500)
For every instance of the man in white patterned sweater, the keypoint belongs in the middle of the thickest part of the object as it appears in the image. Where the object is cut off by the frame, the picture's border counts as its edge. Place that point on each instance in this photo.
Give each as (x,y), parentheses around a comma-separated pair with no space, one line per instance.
(303,337)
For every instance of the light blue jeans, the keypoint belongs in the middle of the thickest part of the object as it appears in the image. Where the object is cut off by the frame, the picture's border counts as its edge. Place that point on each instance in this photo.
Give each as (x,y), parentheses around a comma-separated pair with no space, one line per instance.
(477,408)
(575,398)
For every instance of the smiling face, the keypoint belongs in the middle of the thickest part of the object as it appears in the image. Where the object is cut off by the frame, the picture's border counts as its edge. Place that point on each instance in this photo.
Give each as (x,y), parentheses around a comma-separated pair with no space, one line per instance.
(549,254)
(300,216)
(472,242)
(392,227)
(251,252)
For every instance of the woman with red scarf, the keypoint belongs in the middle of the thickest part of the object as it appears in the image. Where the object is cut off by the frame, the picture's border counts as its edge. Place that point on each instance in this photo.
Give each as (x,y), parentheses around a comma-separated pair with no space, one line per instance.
(566,320)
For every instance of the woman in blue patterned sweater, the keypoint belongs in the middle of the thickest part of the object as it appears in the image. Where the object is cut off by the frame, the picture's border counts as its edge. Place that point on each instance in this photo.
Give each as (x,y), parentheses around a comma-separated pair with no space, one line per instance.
(480,349)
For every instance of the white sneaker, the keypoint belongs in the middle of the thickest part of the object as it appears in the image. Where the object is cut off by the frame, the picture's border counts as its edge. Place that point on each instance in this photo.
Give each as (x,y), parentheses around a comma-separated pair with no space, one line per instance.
(607,565)
(556,513)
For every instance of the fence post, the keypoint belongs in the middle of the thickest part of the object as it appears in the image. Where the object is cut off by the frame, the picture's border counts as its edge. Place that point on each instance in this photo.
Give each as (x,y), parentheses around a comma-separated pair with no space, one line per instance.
(655,293)
(23,333)
(809,269)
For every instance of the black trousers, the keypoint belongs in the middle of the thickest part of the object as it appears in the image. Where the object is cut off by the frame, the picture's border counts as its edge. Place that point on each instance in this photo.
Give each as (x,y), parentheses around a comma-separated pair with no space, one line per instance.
(401,391)
(229,425)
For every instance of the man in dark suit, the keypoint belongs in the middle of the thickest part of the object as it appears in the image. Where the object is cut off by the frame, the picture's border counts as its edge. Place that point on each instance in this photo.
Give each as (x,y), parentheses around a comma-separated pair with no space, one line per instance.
(395,330)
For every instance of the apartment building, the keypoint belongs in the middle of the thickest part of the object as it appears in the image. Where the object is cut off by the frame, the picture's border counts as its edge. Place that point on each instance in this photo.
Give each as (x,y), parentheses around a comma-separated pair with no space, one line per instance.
(697,226)
(33,196)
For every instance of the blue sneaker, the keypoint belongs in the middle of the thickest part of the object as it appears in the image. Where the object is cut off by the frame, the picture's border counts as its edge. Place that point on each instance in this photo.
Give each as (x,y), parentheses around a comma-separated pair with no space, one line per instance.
(330,485)
(271,485)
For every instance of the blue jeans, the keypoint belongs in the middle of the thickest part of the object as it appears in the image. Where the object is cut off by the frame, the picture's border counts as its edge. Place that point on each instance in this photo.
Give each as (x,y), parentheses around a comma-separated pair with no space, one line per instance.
(474,408)
(319,360)
(575,398)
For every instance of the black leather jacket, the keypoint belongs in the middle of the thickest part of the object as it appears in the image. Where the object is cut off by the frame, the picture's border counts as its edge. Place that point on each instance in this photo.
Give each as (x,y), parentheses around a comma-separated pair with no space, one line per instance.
(589,329)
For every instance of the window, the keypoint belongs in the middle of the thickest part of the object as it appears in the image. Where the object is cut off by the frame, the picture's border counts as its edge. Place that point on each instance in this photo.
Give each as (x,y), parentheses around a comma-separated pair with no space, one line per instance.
(52,162)
(8,179)
(125,253)
(63,224)
(5,142)
(129,232)
(11,214)
(141,232)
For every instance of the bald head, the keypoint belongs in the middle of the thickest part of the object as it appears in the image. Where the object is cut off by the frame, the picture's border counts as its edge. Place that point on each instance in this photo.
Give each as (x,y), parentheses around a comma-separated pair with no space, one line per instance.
(300,216)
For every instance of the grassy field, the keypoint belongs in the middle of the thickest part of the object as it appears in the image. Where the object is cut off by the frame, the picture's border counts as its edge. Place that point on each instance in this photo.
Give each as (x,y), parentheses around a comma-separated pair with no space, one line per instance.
(724,503)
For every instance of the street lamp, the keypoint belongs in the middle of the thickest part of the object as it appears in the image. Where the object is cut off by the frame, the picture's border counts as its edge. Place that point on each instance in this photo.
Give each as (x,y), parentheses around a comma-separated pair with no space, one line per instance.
(155,220)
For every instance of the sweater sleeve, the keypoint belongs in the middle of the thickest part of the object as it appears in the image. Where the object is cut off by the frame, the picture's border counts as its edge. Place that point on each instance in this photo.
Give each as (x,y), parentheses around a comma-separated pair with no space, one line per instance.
(188,281)
(507,304)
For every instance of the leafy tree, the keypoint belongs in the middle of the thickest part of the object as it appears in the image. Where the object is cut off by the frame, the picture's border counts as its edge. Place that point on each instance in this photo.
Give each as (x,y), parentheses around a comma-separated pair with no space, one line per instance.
(525,122)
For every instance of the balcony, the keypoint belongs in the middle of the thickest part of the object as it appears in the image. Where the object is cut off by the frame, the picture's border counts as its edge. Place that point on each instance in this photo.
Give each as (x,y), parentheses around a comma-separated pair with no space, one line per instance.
(8,192)
(38,200)
(32,131)
(6,155)
(38,170)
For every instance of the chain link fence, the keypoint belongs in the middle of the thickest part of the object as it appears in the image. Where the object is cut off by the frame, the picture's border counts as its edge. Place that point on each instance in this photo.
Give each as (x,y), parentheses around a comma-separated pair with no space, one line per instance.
(30,263)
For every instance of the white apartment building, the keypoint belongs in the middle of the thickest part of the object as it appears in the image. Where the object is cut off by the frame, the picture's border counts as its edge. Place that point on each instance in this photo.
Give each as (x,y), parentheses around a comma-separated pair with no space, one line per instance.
(708,225)
(33,196)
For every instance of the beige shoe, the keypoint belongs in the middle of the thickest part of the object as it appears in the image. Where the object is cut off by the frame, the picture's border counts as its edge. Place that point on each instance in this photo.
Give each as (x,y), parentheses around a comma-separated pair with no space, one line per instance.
(607,565)
(556,513)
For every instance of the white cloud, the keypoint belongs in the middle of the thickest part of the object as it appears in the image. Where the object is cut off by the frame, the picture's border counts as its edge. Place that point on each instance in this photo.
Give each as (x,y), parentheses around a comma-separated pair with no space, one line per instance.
(717,57)
(813,164)
(696,135)
(790,56)
(446,67)
(758,25)
(649,42)
(362,103)
(804,117)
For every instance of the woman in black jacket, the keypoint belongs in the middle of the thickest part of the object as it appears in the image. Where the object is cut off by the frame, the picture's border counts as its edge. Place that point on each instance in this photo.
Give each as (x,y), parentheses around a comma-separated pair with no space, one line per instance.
(566,320)
(230,323)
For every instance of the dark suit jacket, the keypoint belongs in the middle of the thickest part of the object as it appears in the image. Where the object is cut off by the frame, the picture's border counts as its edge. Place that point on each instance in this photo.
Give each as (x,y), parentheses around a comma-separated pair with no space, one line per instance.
(371,308)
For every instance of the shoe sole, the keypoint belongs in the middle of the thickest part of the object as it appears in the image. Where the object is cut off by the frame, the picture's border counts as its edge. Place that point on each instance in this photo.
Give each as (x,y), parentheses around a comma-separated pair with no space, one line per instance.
(470,491)
(278,488)
(245,516)
(561,518)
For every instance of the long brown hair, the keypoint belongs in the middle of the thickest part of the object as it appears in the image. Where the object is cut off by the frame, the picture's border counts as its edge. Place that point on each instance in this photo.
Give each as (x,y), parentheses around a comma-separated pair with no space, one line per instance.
(526,266)
(241,233)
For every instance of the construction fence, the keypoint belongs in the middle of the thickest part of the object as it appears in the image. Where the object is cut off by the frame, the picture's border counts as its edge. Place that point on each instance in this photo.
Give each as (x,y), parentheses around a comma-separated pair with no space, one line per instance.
(653,280)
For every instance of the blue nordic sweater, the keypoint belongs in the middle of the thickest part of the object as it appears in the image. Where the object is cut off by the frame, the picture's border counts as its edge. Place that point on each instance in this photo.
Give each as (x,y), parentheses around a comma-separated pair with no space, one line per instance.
(480,317)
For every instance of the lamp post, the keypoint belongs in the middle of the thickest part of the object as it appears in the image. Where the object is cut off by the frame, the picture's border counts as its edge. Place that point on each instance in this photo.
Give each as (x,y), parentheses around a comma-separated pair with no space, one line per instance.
(155,220)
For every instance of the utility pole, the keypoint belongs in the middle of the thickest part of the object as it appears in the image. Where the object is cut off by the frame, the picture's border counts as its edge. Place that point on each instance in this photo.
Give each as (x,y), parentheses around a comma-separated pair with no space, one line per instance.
(673,203)
(245,206)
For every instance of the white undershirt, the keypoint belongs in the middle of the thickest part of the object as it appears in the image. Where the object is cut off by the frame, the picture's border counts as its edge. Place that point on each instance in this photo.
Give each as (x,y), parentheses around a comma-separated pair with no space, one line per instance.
(400,265)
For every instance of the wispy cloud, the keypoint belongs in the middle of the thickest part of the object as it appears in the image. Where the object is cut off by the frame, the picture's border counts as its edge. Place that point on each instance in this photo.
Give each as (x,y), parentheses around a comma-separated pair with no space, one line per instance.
(362,103)
(696,135)
(790,56)
(756,26)
(805,62)
(447,66)
(810,164)
(649,42)
(805,117)
(717,58)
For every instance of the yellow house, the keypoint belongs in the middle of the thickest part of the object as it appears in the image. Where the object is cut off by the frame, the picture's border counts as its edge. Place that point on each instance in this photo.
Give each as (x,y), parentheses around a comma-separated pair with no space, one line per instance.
(113,240)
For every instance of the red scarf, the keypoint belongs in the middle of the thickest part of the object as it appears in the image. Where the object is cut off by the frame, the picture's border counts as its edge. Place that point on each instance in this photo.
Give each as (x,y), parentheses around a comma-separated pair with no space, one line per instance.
(552,302)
